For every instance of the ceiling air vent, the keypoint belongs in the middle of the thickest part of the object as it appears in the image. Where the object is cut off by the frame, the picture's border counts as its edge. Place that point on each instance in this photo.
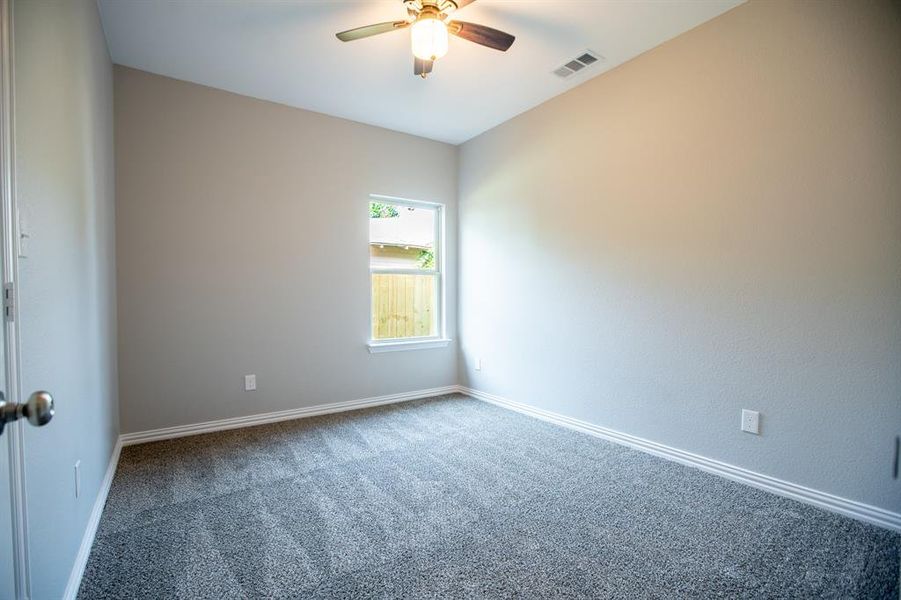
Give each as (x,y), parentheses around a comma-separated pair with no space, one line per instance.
(586,59)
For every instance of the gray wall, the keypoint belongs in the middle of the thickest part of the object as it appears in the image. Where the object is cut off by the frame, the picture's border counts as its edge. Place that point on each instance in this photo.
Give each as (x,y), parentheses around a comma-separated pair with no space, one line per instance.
(715,225)
(242,230)
(64,190)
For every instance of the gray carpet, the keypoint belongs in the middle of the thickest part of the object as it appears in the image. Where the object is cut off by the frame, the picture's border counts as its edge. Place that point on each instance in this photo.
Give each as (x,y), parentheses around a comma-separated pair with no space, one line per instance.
(453,497)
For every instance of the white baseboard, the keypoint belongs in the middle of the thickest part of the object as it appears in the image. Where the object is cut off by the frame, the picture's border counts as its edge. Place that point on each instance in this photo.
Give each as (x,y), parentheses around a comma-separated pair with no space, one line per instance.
(851,508)
(167,433)
(84,551)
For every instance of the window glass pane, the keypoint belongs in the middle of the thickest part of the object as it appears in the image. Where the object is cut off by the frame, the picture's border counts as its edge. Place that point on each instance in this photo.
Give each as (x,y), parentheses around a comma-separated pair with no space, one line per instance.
(401,237)
(404,306)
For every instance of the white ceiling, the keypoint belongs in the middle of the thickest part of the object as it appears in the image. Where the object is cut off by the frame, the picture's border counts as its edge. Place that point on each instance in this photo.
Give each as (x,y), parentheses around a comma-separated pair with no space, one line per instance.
(286,51)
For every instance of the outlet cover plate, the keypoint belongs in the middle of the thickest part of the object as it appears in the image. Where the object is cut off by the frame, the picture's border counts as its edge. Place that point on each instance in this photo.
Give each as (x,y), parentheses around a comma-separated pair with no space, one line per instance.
(750,421)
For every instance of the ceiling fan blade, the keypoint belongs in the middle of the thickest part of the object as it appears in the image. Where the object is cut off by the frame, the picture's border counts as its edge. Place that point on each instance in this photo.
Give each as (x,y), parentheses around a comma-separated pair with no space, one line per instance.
(370,30)
(422,67)
(486,36)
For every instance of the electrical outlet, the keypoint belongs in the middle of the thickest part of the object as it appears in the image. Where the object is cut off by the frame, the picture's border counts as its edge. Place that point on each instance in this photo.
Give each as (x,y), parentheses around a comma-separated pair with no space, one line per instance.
(250,383)
(478,364)
(750,421)
(77,478)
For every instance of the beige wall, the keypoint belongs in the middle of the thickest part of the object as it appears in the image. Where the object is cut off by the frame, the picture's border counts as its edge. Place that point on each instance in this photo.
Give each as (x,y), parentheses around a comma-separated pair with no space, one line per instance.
(715,225)
(225,207)
(64,191)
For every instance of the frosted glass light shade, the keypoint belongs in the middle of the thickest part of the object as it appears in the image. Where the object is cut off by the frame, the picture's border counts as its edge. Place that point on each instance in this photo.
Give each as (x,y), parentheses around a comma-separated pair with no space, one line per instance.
(429,37)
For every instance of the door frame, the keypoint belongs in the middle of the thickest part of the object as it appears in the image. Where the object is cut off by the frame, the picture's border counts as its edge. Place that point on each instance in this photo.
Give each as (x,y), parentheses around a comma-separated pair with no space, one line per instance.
(13,433)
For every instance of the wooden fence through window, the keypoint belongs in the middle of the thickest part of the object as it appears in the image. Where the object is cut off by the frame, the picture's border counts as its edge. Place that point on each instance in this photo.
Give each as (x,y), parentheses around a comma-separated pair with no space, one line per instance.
(403,306)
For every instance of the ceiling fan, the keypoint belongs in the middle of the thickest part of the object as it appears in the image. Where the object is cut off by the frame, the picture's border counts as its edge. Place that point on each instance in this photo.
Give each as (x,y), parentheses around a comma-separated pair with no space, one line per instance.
(430,25)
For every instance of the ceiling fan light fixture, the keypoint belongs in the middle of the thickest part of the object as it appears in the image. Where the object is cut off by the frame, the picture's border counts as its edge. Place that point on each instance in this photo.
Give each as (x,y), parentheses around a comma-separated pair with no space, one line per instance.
(429,37)
(430,29)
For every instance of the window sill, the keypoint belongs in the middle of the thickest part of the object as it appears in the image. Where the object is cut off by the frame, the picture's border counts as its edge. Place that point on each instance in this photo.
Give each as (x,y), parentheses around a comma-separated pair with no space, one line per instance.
(378,347)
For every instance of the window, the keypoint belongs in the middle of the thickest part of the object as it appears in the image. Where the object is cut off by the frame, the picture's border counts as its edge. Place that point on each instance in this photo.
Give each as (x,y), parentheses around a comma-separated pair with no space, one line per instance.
(405,270)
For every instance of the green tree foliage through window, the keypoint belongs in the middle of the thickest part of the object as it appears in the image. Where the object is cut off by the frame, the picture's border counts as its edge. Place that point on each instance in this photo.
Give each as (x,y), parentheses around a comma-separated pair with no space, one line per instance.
(427,259)
(380,210)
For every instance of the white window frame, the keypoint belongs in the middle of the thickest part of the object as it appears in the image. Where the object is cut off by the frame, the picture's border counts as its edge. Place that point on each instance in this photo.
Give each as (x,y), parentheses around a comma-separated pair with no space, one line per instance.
(439,340)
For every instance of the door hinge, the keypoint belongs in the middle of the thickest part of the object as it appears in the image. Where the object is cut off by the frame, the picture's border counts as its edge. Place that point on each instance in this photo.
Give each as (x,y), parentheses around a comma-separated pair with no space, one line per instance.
(9,301)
